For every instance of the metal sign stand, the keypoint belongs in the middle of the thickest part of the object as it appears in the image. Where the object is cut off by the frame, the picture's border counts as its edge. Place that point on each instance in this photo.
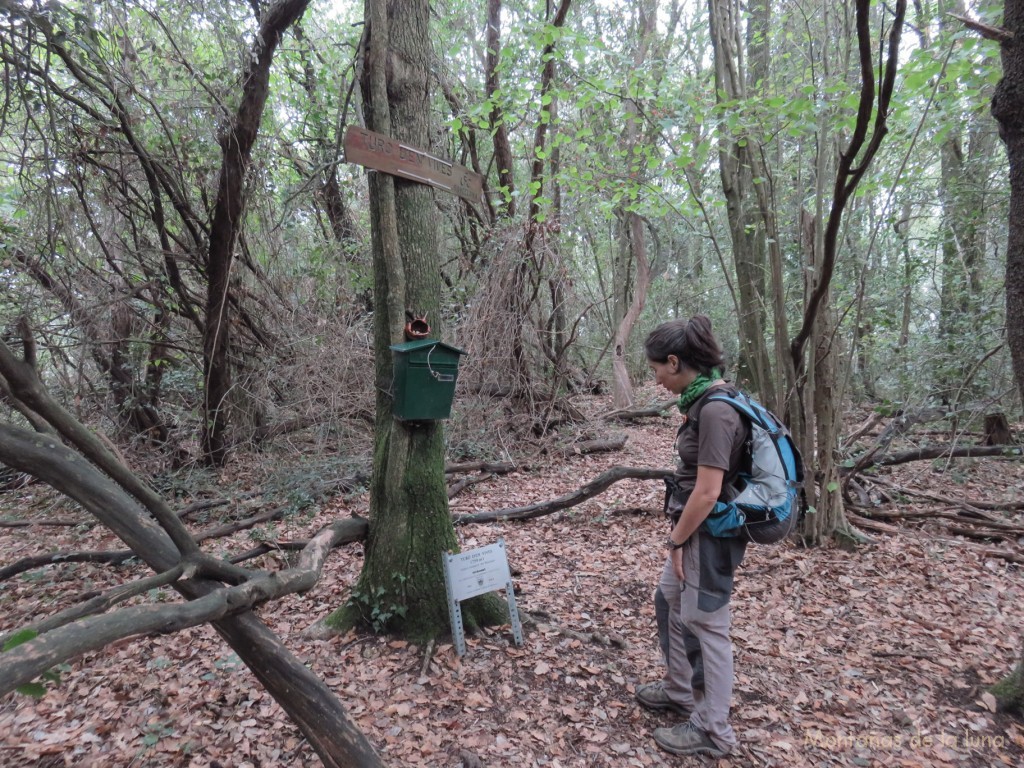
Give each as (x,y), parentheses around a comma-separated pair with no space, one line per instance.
(475,572)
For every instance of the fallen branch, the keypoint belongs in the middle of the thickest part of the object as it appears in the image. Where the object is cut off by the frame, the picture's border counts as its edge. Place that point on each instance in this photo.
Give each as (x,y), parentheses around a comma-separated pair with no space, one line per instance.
(27,661)
(1011,556)
(999,526)
(107,600)
(9,523)
(975,507)
(499,468)
(456,488)
(945,451)
(632,414)
(588,491)
(54,558)
(898,426)
(872,421)
(488,470)
(600,445)
(220,531)
(354,532)
(201,506)
(584,637)
(868,460)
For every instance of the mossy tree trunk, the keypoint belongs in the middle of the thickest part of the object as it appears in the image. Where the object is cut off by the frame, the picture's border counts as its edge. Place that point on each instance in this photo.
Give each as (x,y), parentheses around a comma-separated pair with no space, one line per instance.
(401,588)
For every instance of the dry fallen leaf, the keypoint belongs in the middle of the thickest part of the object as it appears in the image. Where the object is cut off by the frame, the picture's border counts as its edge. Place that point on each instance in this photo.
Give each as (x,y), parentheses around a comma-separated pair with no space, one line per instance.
(989,701)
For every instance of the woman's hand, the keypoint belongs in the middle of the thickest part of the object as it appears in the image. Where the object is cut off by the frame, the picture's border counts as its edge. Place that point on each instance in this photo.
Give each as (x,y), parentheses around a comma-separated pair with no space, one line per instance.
(677,563)
(698,506)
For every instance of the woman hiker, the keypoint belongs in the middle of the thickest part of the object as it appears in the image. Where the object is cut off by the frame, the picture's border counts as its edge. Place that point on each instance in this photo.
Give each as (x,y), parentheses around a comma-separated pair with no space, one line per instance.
(692,599)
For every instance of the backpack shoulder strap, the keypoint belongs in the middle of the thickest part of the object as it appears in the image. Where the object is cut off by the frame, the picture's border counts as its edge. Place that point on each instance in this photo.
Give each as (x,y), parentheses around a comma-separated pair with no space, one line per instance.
(747,406)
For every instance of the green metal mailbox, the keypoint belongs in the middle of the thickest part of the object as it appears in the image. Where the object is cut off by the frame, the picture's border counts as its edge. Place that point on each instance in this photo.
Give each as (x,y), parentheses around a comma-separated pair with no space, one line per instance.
(425,373)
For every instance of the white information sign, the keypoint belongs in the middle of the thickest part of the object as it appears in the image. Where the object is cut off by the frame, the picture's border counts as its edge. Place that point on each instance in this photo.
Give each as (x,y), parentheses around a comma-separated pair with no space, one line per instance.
(476,572)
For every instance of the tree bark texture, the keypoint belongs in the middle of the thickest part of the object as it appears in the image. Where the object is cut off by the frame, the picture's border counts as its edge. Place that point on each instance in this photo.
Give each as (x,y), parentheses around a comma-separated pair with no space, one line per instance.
(1008,110)
(236,141)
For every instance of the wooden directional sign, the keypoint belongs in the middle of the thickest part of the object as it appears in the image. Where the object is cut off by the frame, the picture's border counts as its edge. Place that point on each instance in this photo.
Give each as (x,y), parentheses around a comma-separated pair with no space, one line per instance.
(374,150)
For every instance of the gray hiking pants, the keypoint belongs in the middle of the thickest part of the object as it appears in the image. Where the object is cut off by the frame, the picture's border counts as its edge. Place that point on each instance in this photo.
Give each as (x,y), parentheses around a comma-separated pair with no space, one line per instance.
(698,642)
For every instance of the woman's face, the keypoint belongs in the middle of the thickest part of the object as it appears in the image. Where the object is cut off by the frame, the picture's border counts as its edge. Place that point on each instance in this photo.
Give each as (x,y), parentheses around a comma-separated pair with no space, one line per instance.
(672,375)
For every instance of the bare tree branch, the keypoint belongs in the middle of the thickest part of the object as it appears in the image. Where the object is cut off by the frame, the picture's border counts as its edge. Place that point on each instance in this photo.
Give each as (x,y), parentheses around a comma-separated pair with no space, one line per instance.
(588,491)
(27,661)
(999,34)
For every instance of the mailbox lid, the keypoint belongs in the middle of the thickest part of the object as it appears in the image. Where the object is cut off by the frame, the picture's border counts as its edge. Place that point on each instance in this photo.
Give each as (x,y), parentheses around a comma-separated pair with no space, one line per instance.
(422,351)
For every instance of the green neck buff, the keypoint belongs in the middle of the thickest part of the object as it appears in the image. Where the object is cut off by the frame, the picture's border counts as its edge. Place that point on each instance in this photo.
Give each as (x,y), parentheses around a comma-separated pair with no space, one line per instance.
(697,388)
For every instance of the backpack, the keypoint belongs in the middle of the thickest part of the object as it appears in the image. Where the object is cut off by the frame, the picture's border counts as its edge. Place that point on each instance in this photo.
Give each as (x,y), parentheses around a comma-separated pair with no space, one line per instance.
(771,479)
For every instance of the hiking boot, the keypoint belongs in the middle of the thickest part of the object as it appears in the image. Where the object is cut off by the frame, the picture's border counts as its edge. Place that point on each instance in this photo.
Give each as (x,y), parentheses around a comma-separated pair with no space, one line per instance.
(687,739)
(653,696)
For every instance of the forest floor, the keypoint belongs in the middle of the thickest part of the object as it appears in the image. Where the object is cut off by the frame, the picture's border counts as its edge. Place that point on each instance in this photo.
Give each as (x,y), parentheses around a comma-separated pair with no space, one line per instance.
(877,657)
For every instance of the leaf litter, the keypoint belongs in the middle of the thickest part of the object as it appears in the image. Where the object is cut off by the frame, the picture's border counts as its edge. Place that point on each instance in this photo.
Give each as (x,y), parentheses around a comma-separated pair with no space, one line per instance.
(874,658)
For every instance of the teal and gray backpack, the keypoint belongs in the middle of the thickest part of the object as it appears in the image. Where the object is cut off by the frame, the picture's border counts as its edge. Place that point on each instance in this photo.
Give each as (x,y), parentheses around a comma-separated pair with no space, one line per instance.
(771,479)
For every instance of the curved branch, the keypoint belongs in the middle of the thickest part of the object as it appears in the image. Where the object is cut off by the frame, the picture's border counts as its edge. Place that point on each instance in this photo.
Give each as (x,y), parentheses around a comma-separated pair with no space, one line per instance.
(591,489)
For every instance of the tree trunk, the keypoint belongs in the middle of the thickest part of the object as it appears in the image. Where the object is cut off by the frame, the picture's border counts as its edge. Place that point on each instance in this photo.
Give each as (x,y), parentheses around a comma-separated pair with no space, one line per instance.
(526,276)
(1008,110)
(962,194)
(634,245)
(401,587)
(630,294)
(502,146)
(236,143)
(853,163)
(747,234)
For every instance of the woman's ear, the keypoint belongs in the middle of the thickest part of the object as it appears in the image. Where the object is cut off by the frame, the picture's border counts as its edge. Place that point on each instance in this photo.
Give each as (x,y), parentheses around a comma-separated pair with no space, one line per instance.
(674,362)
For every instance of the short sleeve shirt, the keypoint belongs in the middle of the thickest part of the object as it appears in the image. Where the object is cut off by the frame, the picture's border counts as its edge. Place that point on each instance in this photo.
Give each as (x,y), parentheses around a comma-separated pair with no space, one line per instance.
(718,442)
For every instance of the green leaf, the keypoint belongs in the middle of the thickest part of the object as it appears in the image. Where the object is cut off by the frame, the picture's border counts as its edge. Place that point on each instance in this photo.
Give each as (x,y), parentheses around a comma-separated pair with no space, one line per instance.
(832,487)
(19,637)
(35,690)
